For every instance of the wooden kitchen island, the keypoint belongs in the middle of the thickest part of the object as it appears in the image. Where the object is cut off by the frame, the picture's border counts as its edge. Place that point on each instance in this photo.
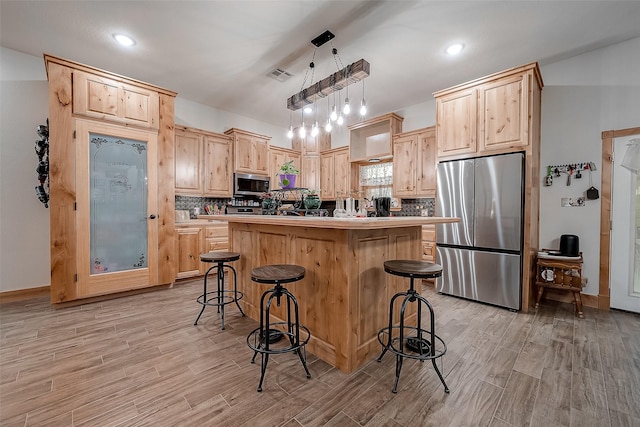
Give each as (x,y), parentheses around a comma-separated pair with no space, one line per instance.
(344,297)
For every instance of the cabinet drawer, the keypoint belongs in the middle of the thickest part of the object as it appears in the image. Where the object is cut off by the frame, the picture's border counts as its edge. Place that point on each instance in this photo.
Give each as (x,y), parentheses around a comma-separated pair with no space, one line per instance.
(217,232)
(429,251)
(216,245)
(429,233)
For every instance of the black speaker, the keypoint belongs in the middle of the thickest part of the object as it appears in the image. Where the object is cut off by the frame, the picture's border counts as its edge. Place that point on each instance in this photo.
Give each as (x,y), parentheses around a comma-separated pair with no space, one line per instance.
(569,245)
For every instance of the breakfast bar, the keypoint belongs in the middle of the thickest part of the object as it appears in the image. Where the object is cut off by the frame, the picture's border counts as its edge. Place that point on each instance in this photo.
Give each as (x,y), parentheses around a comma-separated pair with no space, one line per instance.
(344,296)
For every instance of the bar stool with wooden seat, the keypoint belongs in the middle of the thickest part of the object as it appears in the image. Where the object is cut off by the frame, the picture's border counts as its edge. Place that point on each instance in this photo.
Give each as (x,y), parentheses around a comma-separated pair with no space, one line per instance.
(266,338)
(406,341)
(221,296)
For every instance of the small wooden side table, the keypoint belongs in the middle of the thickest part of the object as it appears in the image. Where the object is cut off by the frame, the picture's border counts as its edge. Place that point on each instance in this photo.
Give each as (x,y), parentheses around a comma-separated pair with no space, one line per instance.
(561,273)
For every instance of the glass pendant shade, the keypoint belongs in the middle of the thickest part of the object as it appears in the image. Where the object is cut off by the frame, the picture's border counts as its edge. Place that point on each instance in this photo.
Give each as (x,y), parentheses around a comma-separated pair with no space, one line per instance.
(334,114)
(328,126)
(340,120)
(315,130)
(290,132)
(347,108)
(363,108)
(302,131)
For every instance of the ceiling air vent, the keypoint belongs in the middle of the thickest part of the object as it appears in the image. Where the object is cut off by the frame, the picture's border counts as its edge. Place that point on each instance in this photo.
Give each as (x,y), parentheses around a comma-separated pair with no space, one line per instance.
(280,74)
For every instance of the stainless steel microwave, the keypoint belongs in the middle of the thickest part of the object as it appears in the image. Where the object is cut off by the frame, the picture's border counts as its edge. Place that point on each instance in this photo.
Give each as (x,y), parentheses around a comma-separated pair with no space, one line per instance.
(245,184)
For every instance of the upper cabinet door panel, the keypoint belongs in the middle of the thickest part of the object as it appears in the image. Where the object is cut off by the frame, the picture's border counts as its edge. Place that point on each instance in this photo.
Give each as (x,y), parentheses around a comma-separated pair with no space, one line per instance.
(217,166)
(107,99)
(188,163)
(503,113)
(456,123)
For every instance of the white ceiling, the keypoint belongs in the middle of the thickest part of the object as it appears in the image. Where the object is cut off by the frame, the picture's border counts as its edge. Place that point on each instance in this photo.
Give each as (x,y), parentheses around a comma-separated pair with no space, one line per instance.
(219,53)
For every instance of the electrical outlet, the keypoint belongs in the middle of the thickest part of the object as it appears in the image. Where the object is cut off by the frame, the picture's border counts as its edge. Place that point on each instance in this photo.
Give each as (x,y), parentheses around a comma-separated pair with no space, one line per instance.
(571,202)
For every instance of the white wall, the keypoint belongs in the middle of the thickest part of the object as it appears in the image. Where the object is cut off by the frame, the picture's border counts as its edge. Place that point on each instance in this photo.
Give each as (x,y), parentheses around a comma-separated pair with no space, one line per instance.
(24,221)
(192,114)
(582,97)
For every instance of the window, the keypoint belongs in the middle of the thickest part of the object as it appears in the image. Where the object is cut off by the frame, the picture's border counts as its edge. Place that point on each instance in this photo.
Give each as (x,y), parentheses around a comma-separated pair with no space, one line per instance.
(376,179)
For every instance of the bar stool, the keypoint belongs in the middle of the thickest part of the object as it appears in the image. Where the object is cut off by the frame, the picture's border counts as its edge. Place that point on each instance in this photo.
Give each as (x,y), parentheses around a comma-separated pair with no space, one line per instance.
(413,342)
(265,338)
(221,296)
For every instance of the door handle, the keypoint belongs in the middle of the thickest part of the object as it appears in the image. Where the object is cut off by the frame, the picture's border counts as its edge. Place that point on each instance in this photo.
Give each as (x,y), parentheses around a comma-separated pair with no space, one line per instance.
(152,216)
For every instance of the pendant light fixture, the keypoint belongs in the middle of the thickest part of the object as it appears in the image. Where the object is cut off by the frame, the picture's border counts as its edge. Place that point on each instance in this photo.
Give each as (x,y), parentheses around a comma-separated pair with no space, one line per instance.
(341,79)
(363,104)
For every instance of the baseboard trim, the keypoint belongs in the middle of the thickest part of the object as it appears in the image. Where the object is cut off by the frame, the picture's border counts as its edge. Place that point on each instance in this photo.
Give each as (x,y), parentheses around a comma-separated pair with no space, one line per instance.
(23,294)
(587,300)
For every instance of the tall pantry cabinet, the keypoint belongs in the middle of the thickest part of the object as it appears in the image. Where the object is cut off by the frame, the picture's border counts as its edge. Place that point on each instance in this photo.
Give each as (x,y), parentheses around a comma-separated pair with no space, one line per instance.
(111,179)
(498,114)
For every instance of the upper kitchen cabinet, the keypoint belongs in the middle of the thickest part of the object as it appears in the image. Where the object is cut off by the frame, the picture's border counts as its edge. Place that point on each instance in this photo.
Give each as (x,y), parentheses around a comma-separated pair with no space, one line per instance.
(372,138)
(335,173)
(251,151)
(188,162)
(490,115)
(414,163)
(203,163)
(456,121)
(111,151)
(114,100)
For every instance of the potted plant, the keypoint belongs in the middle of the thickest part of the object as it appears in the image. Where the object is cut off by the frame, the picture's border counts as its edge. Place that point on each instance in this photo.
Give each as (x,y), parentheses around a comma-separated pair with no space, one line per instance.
(288,173)
(312,199)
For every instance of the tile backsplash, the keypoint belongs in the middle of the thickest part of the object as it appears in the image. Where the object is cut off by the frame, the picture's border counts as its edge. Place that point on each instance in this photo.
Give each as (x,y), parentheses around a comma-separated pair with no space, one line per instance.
(409,207)
(187,203)
(414,207)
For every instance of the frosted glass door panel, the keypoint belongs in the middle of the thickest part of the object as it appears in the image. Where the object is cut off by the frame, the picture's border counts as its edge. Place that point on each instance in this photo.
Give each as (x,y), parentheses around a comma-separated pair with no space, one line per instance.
(117,208)
(118,176)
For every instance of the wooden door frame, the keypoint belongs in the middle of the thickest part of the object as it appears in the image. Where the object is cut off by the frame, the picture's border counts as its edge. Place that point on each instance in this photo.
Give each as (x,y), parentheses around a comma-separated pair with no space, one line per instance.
(604,296)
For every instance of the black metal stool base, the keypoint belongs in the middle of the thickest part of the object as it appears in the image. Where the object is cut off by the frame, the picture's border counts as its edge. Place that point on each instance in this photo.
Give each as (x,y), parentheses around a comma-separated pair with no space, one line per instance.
(221,296)
(267,339)
(412,342)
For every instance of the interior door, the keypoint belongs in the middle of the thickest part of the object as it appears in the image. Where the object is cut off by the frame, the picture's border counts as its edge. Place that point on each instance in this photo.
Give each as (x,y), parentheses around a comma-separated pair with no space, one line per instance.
(625,233)
(116,216)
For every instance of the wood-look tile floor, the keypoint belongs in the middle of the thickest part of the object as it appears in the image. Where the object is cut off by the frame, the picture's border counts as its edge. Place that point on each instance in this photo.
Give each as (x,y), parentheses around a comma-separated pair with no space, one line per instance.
(139,360)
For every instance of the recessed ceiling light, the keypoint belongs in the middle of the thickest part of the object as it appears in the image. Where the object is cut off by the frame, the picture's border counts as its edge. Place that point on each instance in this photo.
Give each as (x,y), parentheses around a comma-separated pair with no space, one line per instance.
(124,40)
(308,109)
(455,49)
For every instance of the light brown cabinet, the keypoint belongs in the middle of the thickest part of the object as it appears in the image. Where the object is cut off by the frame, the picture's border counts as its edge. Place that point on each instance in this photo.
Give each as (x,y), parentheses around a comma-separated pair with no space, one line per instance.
(189,245)
(188,162)
(310,177)
(335,171)
(414,163)
(104,98)
(489,115)
(251,151)
(429,243)
(191,240)
(98,110)
(456,123)
(202,163)
(372,138)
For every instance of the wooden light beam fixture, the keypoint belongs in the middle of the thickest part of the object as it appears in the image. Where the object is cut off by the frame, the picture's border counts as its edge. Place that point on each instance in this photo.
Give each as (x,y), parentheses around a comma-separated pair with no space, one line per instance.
(352,73)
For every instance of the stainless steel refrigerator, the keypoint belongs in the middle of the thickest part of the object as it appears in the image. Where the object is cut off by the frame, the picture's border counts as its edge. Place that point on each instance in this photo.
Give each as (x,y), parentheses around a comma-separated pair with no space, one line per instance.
(481,256)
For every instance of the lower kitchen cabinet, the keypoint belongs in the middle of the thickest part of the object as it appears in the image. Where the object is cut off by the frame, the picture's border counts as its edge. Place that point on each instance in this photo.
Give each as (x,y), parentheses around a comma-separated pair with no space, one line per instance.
(189,246)
(429,243)
(194,239)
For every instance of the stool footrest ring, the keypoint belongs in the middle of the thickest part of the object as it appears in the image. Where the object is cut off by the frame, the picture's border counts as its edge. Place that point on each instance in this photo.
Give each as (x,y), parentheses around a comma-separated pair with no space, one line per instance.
(229,297)
(410,348)
(256,341)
